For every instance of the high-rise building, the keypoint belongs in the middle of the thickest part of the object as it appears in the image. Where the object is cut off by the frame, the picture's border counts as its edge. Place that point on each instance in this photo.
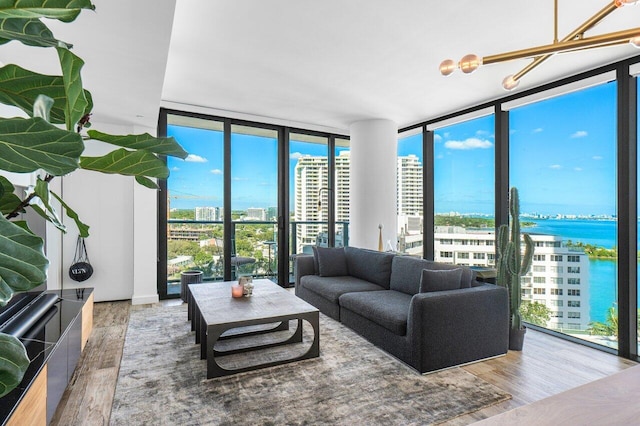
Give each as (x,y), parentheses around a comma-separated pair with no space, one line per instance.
(209,213)
(409,186)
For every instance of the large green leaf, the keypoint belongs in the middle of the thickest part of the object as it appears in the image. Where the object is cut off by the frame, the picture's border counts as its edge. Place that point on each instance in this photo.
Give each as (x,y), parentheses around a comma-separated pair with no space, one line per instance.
(77,103)
(20,87)
(8,200)
(64,10)
(128,163)
(23,265)
(165,146)
(144,181)
(83,228)
(30,144)
(44,208)
(14,362)
(31,32)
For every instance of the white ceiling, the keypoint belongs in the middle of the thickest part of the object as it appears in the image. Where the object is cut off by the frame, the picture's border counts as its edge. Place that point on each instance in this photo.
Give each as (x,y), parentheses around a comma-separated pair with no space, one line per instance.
(314,64)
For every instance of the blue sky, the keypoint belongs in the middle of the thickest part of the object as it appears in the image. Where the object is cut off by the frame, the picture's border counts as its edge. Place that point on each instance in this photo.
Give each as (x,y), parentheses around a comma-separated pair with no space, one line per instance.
(562,159)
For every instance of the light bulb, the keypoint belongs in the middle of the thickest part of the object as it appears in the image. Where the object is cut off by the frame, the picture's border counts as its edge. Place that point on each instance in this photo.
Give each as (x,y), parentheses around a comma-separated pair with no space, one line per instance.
(635,41)
(469,63)
(510,83)
(620,3)
(447,67)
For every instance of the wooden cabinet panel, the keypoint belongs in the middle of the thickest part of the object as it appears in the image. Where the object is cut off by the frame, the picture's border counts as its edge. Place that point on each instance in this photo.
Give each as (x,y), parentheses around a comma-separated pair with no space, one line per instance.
(87,320)
(33,407)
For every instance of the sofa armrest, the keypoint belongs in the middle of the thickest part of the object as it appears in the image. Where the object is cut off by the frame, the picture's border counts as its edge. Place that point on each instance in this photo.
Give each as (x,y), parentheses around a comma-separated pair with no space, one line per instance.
(303,266)
(458,326)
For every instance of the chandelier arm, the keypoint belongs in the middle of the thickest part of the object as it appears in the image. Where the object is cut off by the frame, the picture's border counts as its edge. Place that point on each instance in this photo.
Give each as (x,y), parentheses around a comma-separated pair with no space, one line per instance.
(587,25)
(566,46)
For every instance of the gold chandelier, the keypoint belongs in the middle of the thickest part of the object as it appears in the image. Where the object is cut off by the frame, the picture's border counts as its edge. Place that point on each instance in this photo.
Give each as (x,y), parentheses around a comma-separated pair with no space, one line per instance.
(576,40)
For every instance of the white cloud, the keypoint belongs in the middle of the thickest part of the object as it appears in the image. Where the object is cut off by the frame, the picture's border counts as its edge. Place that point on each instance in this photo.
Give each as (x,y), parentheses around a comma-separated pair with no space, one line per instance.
(295,155)
(470,143)
(579,134)
(577,169)
(555,166)
(437,138)
(175,169)
(238,179)
(538,130)
(192,158)
(597,157)
(440,157)
(216,171)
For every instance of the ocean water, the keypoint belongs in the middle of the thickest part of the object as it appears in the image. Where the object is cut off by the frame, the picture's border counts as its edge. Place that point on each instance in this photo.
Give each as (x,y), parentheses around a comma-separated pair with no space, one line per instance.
(602,273)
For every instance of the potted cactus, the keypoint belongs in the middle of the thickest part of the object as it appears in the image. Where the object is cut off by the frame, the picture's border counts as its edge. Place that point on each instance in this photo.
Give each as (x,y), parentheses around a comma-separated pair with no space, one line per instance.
(512,265)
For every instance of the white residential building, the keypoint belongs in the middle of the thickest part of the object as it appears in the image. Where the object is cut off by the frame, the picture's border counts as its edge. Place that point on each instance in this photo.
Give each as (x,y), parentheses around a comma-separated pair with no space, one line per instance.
(209,213)
(558,278)
(254,213)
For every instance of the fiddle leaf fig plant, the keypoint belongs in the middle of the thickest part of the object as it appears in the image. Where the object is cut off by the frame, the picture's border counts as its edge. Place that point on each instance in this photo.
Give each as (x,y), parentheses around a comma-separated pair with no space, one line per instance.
(49,143)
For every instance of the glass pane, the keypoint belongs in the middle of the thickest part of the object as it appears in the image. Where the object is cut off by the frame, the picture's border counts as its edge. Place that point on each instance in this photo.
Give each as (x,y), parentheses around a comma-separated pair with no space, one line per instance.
(342,172)
(308,170)
(254,201)
(563,162)
(464,185)
(410,194)
(195,189)
(638,186)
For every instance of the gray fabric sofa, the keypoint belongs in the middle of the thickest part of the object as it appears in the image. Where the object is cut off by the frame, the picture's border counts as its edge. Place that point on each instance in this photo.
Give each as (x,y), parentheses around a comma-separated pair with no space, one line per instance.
(379,296)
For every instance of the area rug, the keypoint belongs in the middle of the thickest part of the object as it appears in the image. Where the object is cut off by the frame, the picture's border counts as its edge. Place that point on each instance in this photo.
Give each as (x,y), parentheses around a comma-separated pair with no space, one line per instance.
(162,381)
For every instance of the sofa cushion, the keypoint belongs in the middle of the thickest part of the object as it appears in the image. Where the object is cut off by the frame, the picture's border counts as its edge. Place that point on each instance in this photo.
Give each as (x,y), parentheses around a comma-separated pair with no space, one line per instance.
(332,262)
(388,308)
(331,288)
(406,273)
(442,280)
(369,265)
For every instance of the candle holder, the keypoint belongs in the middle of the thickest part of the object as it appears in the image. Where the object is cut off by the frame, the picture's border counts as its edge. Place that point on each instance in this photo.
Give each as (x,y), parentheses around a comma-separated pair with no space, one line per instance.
(247,285)
(237,290)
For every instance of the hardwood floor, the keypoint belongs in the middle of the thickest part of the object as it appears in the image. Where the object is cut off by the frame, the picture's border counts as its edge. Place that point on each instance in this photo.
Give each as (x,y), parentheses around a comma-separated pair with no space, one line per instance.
(547,366)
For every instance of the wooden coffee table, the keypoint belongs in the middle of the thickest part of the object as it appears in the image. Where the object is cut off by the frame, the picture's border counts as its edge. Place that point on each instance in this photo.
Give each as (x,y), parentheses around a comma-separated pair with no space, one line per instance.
(213,311)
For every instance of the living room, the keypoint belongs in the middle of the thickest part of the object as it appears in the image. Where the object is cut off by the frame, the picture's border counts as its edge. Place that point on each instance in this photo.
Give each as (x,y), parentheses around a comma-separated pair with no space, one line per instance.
(365,76)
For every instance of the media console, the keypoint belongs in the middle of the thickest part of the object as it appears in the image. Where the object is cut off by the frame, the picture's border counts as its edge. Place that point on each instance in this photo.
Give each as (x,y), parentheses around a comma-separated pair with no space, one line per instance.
(54,327)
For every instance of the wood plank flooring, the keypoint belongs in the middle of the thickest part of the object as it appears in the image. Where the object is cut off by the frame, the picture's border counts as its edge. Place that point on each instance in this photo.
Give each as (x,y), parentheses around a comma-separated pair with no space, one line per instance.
(547,366)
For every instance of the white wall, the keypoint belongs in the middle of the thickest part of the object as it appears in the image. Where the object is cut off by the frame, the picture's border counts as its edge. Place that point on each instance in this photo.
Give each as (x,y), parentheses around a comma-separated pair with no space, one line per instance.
(372,183)
(122,245)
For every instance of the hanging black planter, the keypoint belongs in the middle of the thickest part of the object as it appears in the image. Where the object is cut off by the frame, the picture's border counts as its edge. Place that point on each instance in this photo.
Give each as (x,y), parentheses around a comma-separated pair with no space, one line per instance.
(80,270)
(516,339)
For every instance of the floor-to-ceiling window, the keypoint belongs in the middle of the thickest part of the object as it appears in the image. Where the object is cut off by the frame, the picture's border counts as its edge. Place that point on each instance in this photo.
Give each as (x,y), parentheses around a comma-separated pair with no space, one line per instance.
(220,208)
(410,190)
(194,230)
(342,172)
(563,162)
(464,185)
(254,201)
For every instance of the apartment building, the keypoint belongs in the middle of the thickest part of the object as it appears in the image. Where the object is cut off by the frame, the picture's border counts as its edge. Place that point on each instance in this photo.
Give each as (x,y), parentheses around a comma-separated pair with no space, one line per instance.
(558,278)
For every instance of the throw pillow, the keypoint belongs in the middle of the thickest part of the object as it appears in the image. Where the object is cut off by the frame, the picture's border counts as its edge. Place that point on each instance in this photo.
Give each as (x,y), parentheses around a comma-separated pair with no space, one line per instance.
(316,267)
(440,280)
(332,262)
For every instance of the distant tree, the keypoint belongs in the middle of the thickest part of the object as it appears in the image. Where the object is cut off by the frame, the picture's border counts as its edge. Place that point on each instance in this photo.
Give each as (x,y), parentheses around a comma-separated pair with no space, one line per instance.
(183,214)
(202,258)
(607,328)
(181,248)
(535,313)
